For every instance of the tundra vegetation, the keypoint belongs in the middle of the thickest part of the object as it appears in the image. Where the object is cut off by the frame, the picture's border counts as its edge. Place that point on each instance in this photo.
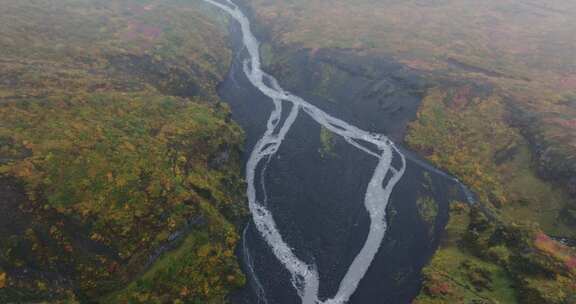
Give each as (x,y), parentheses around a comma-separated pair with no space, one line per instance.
(120,171)
(119,167)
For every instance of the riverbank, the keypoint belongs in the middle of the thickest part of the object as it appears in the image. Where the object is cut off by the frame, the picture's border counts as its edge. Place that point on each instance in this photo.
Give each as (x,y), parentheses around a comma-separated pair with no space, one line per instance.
(466,124)
(298,190)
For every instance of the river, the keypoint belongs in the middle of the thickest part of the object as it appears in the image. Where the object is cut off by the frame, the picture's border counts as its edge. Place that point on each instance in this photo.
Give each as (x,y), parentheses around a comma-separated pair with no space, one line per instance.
(334,230)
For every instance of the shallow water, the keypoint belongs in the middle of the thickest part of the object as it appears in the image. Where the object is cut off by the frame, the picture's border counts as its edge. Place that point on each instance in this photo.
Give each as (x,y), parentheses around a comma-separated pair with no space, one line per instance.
(342,228)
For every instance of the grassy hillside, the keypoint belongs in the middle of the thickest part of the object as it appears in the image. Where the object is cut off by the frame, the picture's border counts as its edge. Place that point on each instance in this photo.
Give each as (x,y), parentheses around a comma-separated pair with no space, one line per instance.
(119,168)
(482,261)
(464,131)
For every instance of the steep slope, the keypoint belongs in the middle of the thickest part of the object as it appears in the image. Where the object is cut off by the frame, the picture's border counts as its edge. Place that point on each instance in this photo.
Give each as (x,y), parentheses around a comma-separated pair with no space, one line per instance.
(118,163)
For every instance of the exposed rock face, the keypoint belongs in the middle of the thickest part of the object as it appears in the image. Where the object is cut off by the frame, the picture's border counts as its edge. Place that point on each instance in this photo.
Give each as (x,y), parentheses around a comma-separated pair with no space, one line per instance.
(374,92)
(555,165)
(220,158)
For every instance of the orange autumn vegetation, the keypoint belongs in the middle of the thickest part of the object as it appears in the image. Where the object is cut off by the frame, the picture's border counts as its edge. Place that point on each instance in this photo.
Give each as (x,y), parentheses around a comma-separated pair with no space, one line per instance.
(116,154)
(3,279)
(560,252)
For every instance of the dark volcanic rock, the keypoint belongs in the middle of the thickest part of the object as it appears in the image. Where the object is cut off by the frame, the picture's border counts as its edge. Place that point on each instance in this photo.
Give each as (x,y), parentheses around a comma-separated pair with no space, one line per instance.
(12,196)
(372,92)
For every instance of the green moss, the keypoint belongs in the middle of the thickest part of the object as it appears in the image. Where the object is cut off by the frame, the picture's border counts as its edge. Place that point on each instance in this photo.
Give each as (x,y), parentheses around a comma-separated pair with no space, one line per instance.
(267,54)
(327,143)
(329,79)
(109,131)
(201,270)
(482,259)
(543,290)
(473,143)
(125,166)
(455,275)
(532,199)
(466,279)
(427,209)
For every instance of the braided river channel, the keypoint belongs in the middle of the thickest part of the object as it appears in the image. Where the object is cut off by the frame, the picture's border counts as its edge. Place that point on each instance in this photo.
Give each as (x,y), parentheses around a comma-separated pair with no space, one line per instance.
(342,228)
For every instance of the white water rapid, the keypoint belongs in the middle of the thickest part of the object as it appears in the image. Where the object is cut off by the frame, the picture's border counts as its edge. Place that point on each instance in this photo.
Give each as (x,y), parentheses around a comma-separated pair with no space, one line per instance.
(305,278)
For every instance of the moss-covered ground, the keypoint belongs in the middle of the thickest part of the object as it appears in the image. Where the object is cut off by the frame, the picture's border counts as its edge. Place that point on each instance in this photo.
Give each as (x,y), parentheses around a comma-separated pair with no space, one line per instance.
(468,137)
(502,256)
(483,261)
(119,167)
